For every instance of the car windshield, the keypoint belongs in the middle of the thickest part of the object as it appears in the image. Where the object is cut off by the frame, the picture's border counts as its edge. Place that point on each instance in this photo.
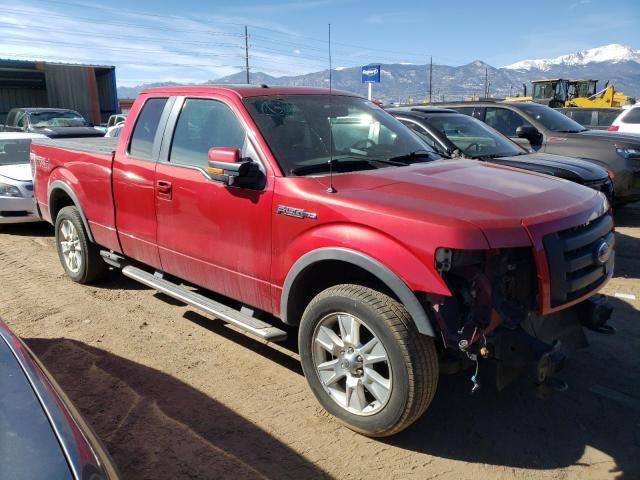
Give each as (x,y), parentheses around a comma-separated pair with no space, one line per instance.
(305,131)
(14,152)
(474,138)
(57,119)
(552,119)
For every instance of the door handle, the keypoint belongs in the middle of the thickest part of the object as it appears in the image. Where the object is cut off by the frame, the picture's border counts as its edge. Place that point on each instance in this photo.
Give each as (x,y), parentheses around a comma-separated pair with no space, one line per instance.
(163,186)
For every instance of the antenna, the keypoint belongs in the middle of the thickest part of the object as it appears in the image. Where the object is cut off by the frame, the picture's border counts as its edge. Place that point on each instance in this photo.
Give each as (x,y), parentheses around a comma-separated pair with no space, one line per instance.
(330,188)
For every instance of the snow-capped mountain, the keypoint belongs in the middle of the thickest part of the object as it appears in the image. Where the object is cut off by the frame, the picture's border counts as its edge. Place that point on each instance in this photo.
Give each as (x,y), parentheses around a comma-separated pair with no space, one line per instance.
(407,83)
(614,53)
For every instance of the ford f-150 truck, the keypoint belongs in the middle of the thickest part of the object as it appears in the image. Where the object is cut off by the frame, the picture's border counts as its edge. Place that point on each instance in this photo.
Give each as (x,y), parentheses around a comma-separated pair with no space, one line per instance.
(320,210)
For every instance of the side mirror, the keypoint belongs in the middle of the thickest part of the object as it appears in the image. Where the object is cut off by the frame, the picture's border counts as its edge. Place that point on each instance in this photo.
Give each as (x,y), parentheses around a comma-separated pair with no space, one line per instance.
(529,132)
(226,166)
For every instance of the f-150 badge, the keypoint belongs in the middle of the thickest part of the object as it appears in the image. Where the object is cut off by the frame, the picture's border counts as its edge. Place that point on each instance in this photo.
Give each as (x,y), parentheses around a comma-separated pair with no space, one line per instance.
(295,212)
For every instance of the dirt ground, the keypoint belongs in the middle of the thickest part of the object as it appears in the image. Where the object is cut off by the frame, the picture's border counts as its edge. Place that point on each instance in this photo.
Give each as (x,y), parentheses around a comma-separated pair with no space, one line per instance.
(174,394)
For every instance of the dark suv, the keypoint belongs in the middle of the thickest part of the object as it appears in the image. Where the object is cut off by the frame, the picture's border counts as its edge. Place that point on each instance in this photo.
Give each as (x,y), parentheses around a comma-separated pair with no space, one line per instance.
(456,135)
(549,131)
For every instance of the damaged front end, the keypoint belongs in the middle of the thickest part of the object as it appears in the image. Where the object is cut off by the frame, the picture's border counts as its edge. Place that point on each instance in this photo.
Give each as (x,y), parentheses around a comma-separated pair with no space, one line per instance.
(493,315)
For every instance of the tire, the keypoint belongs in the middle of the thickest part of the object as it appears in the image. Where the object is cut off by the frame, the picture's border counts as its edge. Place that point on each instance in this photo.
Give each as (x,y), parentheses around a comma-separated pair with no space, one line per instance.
(84,265)
(381,397)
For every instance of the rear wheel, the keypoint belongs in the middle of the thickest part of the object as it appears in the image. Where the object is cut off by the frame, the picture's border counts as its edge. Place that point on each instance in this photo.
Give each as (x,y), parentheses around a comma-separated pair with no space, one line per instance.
(365,361)
(80,258)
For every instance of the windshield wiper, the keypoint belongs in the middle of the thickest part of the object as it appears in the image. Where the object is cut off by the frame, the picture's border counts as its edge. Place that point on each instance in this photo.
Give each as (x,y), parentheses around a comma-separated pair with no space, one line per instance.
(358,162)
(413,156)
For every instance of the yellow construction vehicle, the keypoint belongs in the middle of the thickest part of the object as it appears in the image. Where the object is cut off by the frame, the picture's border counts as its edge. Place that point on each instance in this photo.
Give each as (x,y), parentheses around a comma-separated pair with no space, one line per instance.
(559,92)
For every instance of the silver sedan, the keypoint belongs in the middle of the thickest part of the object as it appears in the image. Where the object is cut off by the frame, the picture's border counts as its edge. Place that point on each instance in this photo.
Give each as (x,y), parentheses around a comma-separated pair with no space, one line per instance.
(16,179)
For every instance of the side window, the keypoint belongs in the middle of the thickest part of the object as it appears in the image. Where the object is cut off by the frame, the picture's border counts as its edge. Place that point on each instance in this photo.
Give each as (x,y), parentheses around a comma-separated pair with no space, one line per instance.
(583,117)
(633,116)
(503,120)
(422,133)
(606,117)
(11,118)
(20,118)
(465,110)
(204,124)
(144,133)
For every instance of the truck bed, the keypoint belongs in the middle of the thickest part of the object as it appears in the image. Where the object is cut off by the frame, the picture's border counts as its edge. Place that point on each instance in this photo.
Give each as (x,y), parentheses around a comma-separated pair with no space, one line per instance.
(100,145)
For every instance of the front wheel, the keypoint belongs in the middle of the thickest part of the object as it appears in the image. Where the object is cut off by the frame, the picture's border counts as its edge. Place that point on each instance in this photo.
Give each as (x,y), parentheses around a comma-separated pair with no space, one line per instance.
(365,361)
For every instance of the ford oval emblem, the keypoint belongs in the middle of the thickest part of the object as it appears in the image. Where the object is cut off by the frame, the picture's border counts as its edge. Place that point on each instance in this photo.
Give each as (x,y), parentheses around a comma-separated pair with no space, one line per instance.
(602,251)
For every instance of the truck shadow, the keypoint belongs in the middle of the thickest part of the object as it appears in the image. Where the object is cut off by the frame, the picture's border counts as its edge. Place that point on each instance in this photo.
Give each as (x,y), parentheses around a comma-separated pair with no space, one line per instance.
(627,216)
(600,411)
(155,426)
(627,256)
(36,229)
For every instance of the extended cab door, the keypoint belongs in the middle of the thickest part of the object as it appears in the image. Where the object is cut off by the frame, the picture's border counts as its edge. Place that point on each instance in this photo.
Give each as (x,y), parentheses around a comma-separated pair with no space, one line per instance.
(134,188)
(211,234)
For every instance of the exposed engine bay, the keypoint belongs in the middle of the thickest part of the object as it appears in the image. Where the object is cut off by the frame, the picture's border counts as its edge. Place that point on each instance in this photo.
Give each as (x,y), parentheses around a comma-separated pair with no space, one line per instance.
(493,316)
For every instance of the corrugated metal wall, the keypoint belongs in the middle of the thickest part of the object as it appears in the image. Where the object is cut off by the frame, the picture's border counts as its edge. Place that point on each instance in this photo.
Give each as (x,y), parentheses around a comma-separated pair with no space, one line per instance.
(89,90)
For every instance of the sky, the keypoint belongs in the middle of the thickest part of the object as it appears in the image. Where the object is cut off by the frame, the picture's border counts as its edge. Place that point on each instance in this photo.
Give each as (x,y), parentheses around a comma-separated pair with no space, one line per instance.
(194,41)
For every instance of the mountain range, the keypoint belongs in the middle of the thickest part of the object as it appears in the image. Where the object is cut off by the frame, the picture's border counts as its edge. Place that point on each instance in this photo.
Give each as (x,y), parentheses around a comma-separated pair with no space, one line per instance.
(401,82)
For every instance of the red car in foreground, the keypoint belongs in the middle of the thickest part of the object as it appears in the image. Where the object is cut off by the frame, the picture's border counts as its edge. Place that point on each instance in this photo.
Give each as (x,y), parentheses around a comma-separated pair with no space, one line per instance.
(324,212)
(41,433)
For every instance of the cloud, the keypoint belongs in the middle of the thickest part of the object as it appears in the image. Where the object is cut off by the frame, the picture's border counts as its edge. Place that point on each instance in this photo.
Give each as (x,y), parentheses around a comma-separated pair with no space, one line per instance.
(144,47)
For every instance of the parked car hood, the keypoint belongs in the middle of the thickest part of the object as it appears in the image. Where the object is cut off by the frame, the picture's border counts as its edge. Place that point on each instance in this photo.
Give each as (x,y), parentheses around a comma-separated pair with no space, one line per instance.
(20,172)
(564,167)
(69,132)
(615,137)
(448,192)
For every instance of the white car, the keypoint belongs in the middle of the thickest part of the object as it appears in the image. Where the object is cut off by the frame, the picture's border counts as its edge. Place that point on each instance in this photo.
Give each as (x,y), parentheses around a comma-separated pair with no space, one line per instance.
(16,179)
(628,121)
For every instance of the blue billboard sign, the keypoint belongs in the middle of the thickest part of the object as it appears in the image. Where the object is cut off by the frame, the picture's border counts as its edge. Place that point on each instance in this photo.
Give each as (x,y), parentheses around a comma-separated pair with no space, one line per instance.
(371,74)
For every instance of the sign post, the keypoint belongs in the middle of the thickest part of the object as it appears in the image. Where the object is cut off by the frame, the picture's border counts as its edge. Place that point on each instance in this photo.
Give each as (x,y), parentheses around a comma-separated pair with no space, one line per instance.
(370,75)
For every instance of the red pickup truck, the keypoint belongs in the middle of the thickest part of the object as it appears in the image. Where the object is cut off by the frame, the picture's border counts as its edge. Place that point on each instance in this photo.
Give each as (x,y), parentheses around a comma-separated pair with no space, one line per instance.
(320,210)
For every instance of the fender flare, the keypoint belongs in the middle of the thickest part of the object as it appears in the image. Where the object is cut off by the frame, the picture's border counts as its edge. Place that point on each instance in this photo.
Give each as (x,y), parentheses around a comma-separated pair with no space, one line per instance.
(58,184)
(373,266)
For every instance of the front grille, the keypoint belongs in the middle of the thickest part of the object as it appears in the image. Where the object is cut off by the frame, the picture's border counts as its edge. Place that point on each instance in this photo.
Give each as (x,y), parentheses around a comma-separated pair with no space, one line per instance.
(604,186)
(575,266)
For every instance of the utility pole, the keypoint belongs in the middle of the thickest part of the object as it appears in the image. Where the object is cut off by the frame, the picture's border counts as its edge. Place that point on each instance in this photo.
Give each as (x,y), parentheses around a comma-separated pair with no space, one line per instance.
(430,77)
(486,82)
(246,52)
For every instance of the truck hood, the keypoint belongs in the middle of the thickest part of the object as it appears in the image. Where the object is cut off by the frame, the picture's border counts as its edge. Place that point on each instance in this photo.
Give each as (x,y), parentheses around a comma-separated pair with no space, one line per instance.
(69,132)
(613,137)
(564,167)
(491,197)
(20,172)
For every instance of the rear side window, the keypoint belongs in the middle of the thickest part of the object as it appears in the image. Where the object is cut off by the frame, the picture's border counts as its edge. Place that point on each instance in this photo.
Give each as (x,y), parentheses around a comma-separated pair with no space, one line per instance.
(583,117)
(465,110)
(632,116)
(204,124)
(144,133)
(606,118)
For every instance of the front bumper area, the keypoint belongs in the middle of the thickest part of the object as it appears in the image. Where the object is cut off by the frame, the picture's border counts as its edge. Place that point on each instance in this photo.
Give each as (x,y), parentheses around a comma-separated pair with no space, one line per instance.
(18,209)
(540,347)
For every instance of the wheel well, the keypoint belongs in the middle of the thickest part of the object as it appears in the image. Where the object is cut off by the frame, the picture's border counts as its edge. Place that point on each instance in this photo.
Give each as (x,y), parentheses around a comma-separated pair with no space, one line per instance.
(58,200)
(322,275)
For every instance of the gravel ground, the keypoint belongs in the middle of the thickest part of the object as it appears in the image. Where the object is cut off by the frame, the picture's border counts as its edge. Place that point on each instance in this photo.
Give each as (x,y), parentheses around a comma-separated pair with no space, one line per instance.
(174,394)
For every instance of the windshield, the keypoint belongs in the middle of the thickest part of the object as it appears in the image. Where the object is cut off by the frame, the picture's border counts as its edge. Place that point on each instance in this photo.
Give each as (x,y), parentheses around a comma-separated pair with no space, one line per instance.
(474,138)
(14,152)
(57,119)
(362,136)
(552,119)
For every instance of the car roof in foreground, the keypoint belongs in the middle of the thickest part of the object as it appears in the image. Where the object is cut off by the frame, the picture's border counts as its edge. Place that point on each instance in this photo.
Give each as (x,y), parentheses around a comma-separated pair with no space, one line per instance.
(30,447)
(244,91)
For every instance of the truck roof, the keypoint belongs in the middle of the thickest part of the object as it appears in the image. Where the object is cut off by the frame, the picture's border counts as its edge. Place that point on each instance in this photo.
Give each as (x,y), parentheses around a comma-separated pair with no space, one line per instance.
(243,91)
